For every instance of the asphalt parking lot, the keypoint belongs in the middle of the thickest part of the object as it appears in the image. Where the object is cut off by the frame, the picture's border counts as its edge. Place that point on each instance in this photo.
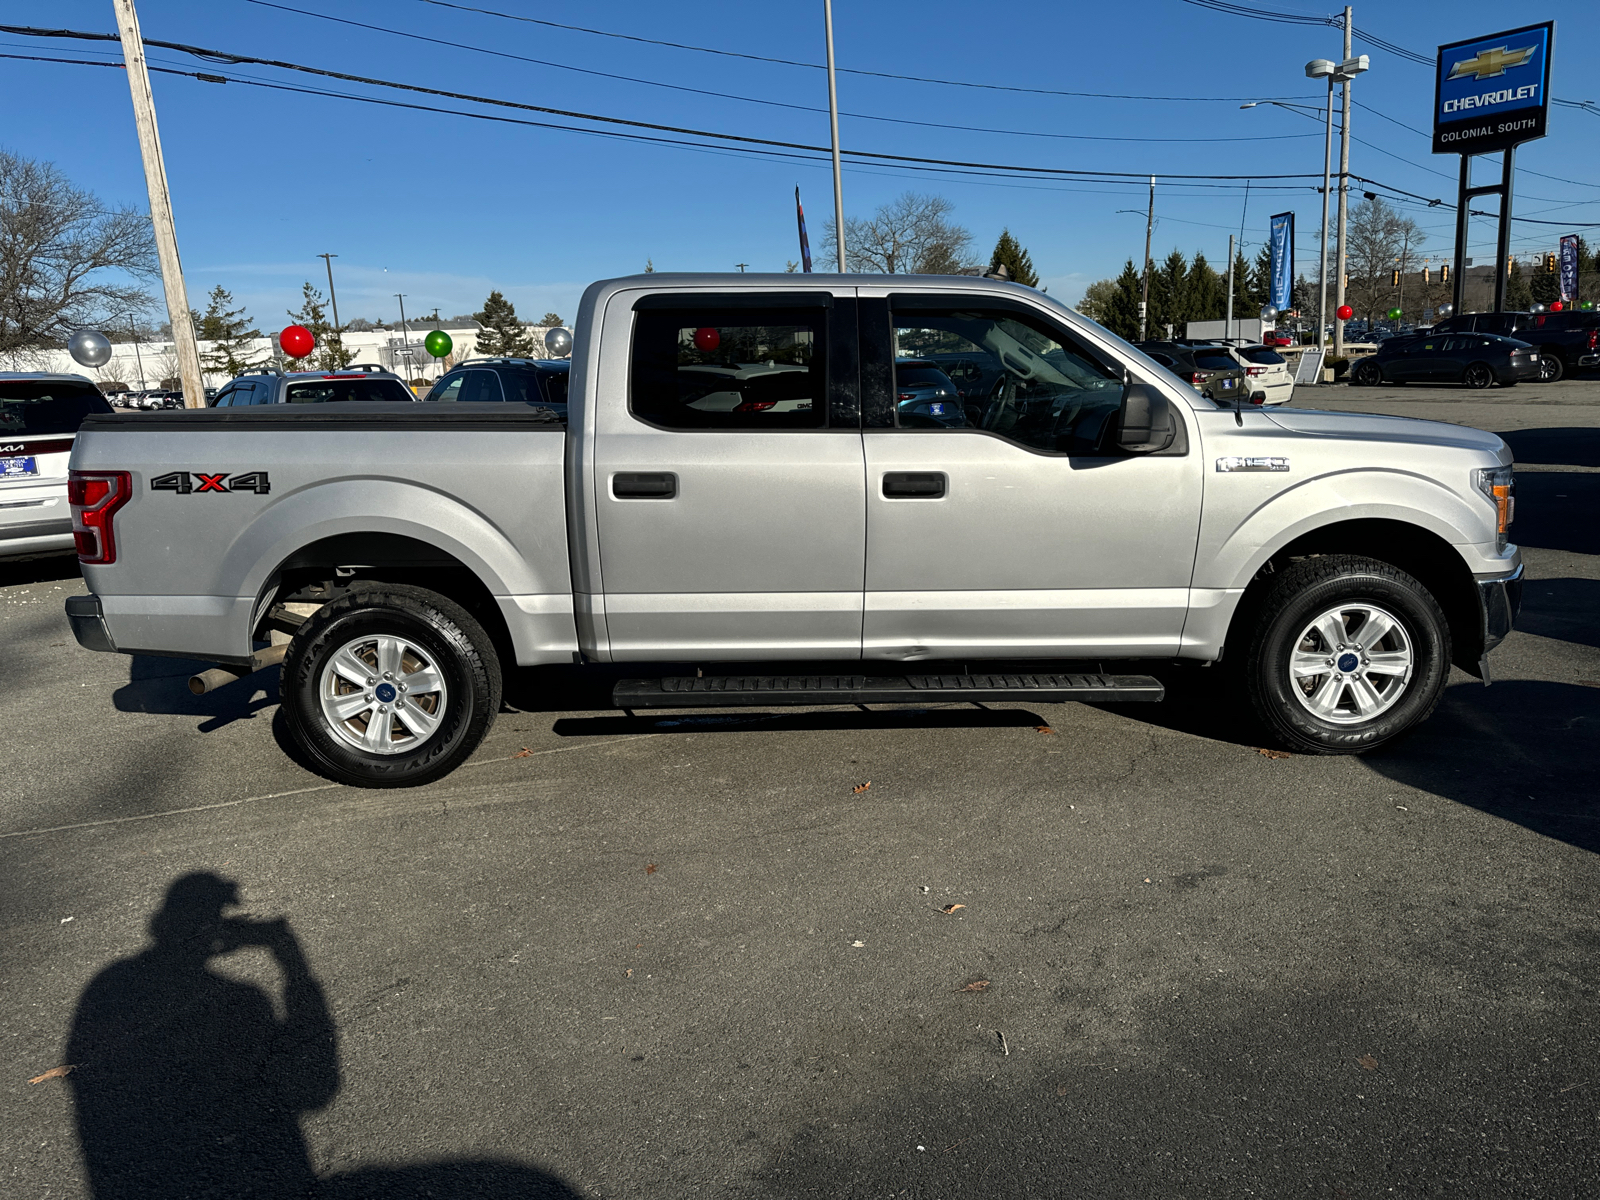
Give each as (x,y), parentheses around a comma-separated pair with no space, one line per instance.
(1060,951)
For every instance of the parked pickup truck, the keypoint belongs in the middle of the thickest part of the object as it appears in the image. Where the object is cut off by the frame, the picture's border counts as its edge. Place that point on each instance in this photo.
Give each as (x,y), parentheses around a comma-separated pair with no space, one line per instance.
(1565,340)
(1089,508)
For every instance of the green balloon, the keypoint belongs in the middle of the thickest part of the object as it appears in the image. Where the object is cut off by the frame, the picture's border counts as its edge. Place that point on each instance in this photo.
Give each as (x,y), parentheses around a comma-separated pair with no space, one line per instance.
(437,343)
(1394,314)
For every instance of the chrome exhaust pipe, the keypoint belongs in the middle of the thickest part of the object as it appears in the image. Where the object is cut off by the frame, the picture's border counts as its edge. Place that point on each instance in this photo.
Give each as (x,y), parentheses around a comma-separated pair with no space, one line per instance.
(216,677)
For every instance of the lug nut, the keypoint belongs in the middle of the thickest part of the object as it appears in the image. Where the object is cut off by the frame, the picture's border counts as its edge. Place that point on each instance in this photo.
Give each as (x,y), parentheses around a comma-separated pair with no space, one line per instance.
(383,708)
(371,681)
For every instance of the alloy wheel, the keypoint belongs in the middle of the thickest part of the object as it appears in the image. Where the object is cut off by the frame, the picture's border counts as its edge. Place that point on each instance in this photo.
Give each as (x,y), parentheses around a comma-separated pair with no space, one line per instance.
(382,694)
(1351,664)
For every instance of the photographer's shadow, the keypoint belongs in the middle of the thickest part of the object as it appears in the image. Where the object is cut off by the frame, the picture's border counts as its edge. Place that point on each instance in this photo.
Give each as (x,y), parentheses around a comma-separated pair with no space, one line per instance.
(188,1084)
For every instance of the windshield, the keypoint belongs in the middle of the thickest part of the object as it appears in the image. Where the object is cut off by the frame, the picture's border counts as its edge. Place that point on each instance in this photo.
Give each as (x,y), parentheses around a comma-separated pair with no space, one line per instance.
(46,405)
(326,391)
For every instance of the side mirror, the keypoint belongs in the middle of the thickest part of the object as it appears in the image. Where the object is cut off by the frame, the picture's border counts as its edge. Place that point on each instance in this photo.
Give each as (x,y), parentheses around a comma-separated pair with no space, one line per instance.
(1146,422)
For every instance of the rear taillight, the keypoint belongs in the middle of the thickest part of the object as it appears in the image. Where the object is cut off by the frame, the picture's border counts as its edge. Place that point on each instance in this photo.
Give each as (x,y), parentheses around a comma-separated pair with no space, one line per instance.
(1198,377)
(1256,370)
(95,497)
(1594,339)
(908,395)
(756,406)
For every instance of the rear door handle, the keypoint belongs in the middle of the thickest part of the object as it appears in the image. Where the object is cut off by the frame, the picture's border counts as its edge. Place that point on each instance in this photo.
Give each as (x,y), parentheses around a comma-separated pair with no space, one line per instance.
(644,485)
(914,485)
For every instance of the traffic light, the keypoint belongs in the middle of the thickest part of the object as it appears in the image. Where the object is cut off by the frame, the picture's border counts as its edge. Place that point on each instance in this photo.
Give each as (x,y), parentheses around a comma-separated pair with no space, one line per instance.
(1444,273)
(1549,262)
(1347,279)
(1394,280)
(1427,276)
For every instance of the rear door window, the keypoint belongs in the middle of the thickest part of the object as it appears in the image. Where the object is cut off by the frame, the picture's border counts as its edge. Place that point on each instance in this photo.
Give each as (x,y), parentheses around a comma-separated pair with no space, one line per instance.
(29,406)
(480,387)
(448,388)
(555,387)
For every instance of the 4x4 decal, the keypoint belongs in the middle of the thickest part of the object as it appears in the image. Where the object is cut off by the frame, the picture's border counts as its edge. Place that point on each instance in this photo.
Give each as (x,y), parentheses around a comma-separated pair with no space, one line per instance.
(184,482)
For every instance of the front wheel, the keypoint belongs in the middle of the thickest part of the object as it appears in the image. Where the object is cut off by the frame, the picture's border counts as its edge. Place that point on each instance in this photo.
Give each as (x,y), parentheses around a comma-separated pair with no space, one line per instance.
(390,686)
(1369,375)
(1346,654)
(1478,375)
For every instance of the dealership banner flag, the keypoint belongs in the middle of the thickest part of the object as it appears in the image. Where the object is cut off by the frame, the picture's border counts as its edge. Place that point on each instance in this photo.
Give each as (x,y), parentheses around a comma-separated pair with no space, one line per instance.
(1569,267)
(1282,270)
(805,242)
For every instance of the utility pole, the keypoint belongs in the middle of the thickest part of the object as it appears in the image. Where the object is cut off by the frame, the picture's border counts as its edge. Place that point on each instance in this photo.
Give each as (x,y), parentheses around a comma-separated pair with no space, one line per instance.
(833,120)
(405,337)
(1227,325)
(741,267)
(155,179)
(137,357)
(1149,227)
(1344,188)
(332,299)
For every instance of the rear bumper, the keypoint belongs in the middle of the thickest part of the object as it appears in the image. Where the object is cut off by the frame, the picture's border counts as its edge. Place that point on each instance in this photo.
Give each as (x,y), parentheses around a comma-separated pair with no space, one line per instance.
(1589,360)
(89,624)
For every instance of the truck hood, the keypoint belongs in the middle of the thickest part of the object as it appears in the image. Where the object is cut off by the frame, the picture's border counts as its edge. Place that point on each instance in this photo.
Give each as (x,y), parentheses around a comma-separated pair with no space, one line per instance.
(1371,427)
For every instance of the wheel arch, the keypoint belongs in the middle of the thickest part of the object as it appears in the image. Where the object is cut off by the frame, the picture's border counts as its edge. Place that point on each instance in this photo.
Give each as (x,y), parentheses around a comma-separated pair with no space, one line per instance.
(1421,553)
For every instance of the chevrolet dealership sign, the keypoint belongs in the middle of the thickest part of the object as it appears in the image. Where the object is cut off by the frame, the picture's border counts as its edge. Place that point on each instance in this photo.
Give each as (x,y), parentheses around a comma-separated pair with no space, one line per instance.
(1492,92)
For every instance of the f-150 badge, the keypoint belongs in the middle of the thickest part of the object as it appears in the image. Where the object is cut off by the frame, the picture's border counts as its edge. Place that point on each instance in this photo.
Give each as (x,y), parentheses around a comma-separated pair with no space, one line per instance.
(185,482)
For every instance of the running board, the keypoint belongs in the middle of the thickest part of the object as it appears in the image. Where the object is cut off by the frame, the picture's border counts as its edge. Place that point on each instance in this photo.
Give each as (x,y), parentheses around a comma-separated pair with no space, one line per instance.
(733,691)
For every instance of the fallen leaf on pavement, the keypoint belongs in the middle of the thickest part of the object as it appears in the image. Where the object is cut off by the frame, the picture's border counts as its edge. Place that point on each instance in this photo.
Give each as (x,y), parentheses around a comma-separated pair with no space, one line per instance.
(977,985)
(650,870)
(628,974)
(863,787)
(1273,753)
(54,1073)
(950,908)
(1368,1063)
(523,753)
(1043,729)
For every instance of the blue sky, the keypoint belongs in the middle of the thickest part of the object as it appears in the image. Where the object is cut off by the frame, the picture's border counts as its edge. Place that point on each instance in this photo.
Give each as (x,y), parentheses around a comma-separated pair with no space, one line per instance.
(443,208)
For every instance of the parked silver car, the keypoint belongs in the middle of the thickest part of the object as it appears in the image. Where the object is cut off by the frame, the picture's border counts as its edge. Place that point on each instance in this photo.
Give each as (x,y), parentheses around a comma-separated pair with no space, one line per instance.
(270,386)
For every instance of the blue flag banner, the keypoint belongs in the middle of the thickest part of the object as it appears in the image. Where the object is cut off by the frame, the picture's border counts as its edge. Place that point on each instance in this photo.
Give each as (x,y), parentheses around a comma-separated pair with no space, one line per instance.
(1282,270)
(805,242)
(1569,267)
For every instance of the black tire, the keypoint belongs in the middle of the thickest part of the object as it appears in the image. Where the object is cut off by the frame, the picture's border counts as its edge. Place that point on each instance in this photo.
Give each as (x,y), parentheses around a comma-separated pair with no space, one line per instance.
(1551,366)
(1368,375)
(1478,375)
(1300,595)
(446,635)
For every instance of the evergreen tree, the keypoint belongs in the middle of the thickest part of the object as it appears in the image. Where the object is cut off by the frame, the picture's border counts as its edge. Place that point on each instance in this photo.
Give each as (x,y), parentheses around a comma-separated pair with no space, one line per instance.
(229,331)
(1261,280)
(1009,254)
(1169,296)
(1242,309)
(551,320)
(502,335)
(1545,285)
(330,353)
(1206,300)
(1519,295)
(1120,312)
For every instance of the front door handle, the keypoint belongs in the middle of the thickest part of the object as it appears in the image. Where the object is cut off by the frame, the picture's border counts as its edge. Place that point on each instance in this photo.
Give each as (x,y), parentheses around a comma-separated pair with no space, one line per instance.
(644,485)
(914,485)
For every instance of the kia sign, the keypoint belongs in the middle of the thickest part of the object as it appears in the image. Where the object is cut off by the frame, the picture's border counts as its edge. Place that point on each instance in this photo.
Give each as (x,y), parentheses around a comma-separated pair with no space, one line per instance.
(1492,92)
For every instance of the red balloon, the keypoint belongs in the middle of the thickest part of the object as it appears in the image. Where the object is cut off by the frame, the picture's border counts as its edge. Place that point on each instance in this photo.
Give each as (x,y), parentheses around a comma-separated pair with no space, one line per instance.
(1556,306)
(707,339)
(297,341)
(1346,312)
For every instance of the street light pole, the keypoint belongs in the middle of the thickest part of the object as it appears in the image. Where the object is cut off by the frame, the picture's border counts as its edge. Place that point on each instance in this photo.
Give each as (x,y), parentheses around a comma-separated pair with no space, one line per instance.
(1344,176)
(833,122)
(405,338)
(137,357)
(1315,68)
(332,298)
(1149,225)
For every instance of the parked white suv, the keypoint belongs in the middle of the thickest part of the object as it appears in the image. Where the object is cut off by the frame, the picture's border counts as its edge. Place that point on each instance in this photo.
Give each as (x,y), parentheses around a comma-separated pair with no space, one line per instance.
(39,419)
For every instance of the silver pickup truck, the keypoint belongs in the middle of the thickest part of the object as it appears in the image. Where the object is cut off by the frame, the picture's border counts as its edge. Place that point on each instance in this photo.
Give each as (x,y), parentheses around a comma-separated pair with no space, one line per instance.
(749,502)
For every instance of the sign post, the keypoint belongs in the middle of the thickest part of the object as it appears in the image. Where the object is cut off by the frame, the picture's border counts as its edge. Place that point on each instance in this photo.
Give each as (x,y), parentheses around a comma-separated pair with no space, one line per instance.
(1490,94)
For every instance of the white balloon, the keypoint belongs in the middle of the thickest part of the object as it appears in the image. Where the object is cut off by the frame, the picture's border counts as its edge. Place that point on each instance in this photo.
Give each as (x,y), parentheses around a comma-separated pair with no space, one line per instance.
(89,348)
(1269,313)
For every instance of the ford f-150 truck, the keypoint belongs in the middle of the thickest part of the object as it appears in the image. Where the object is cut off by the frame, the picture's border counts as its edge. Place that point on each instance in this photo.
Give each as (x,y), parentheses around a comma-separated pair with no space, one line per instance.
(812,542)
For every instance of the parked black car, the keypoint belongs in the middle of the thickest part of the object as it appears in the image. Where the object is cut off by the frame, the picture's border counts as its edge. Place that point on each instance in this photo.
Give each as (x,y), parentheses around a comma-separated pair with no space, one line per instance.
(1213,372)
(540,381)
(1476,360)
(1565,340)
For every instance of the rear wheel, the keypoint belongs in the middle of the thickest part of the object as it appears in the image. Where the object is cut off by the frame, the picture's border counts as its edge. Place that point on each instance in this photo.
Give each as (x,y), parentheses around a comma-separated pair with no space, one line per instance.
(1369,375)
(1551,366)
(1478,375)
(1346,654)
(391,686)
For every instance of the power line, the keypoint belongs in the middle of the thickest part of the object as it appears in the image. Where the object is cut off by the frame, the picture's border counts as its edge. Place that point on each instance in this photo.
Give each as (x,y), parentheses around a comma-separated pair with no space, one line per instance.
(1078,137)
(790,62)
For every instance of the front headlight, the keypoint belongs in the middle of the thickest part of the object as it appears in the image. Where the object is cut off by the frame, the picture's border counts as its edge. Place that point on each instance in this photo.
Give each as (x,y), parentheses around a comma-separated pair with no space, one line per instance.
(1499,487)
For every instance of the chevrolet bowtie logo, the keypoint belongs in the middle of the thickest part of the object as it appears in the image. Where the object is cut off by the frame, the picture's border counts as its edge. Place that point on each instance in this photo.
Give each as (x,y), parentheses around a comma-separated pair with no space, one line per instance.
(1489,63)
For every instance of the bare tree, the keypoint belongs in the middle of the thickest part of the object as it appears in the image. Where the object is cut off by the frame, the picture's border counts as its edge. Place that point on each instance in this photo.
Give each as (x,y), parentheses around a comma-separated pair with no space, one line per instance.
(910,234)
(1381,242)
(65,261)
